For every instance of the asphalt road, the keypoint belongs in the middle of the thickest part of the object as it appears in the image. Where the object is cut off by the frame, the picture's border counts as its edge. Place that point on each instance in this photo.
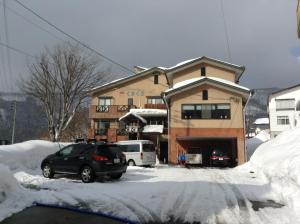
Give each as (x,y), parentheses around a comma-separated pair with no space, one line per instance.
(47,215)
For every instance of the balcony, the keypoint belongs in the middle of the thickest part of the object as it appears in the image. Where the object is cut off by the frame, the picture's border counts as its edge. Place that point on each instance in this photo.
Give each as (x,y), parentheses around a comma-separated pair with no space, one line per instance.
(155,106)
(109,112)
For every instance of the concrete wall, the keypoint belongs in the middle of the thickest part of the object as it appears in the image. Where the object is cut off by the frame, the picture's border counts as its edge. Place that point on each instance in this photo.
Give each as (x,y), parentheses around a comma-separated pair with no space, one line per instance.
(211,71)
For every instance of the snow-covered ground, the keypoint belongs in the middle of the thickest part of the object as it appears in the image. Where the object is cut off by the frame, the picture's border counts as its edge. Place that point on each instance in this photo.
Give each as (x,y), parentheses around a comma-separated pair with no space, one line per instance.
(166,193)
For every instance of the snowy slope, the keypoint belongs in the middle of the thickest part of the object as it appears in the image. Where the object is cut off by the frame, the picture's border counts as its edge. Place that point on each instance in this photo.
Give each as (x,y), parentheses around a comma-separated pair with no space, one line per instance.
(253,143)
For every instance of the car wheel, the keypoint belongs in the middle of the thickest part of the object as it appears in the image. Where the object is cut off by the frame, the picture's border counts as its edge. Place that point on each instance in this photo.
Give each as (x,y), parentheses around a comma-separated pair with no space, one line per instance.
(87,174)
(47,171)
(131,163)
(116,176)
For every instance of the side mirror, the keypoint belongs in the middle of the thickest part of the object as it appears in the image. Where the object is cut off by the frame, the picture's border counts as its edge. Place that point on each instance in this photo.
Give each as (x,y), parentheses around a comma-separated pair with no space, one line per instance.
(57,153)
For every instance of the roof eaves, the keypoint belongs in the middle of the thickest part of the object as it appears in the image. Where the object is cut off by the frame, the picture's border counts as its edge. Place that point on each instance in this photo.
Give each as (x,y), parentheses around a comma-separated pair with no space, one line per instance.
(282,90)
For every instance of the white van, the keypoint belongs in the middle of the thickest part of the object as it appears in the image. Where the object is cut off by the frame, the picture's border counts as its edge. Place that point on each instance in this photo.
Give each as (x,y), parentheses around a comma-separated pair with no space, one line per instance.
(139,152)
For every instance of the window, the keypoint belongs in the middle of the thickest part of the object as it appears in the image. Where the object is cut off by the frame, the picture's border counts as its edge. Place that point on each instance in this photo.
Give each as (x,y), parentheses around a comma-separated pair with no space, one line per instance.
(285,104)
(203,71)
(283,120)
(298,106)
(66,151)
(102,126)
(148,148)
(130,101)
(130,148)
(204,95)
(105,101)
(205,111)
(155,79)
(155,100)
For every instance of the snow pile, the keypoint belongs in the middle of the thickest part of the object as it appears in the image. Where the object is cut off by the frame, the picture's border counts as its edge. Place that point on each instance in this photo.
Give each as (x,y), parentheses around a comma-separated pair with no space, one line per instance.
(27,155)
(13,197)
(279,160)
(256,141)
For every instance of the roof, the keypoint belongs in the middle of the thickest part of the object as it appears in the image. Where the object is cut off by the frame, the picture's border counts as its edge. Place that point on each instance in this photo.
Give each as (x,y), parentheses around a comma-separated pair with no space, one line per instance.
(263,120)
(153,129)
(149,112)
(289,88)
(200,80)
(135,115)
(191,62)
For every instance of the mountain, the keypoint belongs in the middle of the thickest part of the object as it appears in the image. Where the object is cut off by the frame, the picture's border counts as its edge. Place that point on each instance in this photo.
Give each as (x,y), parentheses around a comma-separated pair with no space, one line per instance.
(30,118)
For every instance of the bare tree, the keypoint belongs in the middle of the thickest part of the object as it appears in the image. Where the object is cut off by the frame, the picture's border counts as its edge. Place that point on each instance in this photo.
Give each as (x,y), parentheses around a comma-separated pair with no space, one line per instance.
(60,79)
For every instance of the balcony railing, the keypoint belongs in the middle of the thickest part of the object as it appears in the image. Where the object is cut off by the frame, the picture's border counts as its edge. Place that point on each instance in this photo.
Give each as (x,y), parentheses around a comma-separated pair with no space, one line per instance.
(155,106)
(114,108)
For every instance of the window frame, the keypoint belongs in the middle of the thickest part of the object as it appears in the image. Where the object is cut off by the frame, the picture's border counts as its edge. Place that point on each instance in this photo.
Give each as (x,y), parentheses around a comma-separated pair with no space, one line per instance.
(287,108)
(203,71)
(105,98)
(211,110)
(155,79)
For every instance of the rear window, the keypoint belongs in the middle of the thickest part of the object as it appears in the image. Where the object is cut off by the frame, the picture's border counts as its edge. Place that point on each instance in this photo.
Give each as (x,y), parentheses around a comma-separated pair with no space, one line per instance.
(130,148)
(111,148)
(148,148)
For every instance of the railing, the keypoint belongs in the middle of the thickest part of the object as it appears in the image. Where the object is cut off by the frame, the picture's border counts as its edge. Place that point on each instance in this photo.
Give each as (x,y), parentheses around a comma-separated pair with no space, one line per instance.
(114,108)
(122,132)
(155,106)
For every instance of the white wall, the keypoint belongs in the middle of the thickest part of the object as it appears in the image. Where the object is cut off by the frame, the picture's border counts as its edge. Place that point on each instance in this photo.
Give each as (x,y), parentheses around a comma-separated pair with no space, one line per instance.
(287,94)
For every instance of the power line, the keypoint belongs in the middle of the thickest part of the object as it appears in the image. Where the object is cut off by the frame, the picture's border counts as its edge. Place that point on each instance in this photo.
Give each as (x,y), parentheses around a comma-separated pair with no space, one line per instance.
(17,50)
(226,32)
(10,73)
(32,23)
(73,38)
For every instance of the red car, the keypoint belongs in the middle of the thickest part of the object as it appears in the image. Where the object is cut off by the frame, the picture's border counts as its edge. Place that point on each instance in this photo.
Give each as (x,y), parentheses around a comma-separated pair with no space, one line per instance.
(219,158)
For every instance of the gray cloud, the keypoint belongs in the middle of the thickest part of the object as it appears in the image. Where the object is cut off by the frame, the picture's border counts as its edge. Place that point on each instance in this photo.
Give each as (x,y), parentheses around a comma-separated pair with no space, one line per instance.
(150,33)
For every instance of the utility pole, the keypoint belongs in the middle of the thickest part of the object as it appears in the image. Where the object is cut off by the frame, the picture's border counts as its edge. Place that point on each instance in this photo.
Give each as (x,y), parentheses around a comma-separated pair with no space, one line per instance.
(14,123)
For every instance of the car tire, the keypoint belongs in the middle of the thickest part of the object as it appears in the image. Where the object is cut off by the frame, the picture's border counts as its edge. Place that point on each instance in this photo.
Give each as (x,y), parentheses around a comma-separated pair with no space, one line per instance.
(116,176)
(131,163)
(47,171)
(87,174)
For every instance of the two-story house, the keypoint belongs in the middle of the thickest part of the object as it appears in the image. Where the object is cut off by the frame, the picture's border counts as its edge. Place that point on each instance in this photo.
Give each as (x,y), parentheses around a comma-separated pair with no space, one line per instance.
(284,109)
(196,105)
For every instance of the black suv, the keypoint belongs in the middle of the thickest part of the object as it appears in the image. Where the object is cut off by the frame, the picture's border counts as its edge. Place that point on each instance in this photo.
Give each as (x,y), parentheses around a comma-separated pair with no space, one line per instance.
(86,160)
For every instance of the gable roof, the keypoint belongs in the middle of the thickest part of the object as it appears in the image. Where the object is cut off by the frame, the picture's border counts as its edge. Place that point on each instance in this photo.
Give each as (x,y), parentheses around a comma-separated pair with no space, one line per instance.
(283,90)
(239,70)
(221,83)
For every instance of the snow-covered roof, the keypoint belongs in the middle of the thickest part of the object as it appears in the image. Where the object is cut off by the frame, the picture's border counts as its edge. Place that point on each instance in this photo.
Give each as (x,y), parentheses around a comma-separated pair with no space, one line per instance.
(263,120)
(149,112)
(135,115)
(240,70)
(195,80)
(153,129)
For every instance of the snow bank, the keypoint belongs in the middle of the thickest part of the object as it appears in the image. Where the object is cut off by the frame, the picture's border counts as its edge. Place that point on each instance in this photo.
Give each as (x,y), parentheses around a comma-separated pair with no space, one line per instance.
(27,155)
(256,141)
(279,160)
(13,197)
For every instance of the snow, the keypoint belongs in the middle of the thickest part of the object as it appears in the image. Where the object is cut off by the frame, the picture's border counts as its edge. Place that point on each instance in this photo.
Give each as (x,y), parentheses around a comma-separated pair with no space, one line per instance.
(135,115)
(27,155)
(165,193)
(149,112)
(193,80)
(279,160)
(253,143)
(153,129)
(264,120)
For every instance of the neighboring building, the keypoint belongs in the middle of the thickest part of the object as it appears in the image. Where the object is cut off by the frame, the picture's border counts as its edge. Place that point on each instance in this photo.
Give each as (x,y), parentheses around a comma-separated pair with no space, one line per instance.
(298,18)
(284,108)
(195,106)
(261,124)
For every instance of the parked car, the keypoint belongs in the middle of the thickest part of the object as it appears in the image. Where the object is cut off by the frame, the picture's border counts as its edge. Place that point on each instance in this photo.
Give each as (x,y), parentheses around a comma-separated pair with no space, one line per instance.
(139,152)
(219,158)
(86,160)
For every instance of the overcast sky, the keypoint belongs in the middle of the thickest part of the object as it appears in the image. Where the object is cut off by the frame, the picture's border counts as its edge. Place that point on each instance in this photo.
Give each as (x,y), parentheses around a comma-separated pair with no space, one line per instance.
(262,34)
